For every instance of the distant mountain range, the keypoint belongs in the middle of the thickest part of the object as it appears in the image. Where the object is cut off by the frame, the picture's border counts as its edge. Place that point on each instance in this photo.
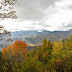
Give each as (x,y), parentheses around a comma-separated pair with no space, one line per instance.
(22,34)
(33,38)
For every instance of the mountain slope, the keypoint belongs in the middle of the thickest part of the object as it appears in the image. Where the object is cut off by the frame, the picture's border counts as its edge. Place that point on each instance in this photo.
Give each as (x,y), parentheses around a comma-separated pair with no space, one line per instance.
(56,35)
(34,38)
(21,34)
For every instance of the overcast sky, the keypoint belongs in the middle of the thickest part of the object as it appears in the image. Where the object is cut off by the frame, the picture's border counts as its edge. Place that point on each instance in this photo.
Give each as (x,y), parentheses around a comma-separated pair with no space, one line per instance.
(41,15)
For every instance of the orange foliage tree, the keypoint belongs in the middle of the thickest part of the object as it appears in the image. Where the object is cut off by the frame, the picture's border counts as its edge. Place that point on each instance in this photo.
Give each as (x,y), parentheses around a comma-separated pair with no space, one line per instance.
(19,48)
(16,52)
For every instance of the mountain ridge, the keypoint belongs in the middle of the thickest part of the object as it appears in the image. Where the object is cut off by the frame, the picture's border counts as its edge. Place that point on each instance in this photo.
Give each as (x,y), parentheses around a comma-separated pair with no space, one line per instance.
(28,33)
(35,38)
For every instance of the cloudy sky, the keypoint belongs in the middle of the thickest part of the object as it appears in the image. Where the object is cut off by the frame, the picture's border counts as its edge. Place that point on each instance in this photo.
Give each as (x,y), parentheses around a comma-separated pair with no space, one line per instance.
(41,15)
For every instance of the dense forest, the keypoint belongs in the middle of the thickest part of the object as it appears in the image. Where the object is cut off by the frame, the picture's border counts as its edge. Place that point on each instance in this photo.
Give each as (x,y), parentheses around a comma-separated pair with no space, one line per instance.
(50,57)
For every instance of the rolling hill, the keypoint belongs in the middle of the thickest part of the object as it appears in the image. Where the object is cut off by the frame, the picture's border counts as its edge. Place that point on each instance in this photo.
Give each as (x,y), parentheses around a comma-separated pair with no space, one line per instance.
(35,38)
(56,35)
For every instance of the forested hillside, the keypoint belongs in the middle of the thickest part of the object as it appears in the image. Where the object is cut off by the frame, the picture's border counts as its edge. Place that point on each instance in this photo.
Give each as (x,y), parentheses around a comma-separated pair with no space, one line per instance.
(55,35)
(50,57)
(33,38)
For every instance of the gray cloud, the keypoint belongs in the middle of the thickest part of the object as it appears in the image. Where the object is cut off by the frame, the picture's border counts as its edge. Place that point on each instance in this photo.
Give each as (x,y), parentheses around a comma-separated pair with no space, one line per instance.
(69,25)
(70,6)
(41,15)
(32,9)
(66,26)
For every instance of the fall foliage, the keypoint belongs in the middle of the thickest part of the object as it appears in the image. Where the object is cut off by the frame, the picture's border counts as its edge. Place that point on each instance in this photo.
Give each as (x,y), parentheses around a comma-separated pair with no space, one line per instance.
(50,57)
(18,48)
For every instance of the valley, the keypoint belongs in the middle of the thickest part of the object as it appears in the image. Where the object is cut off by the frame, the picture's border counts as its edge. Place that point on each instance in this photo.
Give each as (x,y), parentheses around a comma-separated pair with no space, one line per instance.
(35,38)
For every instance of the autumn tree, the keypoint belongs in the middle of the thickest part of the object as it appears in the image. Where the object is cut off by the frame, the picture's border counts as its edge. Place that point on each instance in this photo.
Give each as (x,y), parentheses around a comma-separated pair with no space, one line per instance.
(1,62)
(68,53)
(44,44)
(15,54)
(42,51)
(51,57)
(62,55)
(19,47)
(31,65)
(46,50)
(45,53)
